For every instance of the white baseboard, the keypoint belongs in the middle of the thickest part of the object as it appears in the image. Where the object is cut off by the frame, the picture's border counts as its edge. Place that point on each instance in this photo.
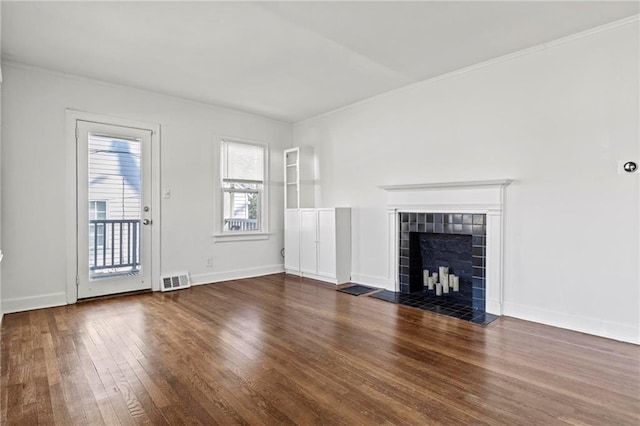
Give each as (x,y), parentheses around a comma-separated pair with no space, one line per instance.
(236,275)
(597,327)
(20,304)
(293,272)
(320,278)
(373,281)
(316,277)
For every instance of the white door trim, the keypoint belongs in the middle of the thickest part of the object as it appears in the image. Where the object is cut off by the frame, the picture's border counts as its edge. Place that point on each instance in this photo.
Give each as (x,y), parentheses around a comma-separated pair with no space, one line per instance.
(72,116)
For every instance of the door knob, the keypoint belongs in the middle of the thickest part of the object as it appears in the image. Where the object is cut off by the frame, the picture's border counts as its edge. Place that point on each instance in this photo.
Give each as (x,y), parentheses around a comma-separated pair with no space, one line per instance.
(146,222)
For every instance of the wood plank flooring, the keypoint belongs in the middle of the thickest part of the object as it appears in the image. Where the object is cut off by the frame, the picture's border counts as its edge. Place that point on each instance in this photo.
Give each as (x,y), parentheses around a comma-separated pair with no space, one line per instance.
(281,350)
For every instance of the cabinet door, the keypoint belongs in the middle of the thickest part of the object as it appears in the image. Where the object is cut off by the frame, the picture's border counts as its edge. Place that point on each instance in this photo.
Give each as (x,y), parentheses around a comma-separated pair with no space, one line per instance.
(327,242)
(292,240)
(308,241)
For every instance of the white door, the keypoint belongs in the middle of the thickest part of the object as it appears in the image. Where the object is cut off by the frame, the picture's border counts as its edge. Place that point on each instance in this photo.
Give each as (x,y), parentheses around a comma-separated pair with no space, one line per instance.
(308,241)
(292,240)
(113,209)
(327,242)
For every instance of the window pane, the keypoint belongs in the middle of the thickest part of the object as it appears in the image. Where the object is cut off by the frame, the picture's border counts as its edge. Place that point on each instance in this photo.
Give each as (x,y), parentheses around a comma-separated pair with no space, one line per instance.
(241,185)
(241,210)
(97,210)
(242,161)
(101,210)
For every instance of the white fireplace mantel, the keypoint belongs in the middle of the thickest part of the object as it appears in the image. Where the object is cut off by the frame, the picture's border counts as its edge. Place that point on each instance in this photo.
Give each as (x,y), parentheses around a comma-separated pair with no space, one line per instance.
(443,196)
(448,185)
(480,197)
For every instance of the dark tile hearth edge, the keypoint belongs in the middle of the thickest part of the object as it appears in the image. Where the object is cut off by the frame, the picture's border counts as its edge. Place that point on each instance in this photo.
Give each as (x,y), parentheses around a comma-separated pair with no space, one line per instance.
(439,305)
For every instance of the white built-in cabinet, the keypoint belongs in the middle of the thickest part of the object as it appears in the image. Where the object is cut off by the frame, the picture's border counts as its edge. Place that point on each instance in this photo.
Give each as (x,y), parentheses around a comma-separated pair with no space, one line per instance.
(298,177)
(318,243)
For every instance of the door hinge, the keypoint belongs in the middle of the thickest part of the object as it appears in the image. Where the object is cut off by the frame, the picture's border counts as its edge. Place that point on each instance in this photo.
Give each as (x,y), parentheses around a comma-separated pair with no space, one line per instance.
(77,133)
(77,281)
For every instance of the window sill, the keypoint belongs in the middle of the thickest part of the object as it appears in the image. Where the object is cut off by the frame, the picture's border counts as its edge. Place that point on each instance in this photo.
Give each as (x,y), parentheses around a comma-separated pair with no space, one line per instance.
(241,236)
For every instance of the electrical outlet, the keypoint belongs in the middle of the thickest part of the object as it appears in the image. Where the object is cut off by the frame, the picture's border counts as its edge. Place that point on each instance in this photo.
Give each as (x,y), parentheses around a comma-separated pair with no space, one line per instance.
(210,262)
(166,194)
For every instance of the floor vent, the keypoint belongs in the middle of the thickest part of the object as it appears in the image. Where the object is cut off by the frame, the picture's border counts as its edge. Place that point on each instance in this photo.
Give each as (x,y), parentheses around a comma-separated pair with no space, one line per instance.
(175,282)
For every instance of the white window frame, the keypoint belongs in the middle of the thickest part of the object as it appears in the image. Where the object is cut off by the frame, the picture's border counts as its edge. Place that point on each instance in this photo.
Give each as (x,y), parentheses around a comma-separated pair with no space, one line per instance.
(220,234)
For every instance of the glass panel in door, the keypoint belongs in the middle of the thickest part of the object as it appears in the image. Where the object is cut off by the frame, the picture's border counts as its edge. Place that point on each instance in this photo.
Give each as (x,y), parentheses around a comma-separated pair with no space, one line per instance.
(115,206)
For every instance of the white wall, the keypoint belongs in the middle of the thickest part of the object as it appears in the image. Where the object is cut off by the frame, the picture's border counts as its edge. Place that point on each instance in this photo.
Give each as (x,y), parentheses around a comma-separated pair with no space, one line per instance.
(1,311)
(556,120)
(34,182)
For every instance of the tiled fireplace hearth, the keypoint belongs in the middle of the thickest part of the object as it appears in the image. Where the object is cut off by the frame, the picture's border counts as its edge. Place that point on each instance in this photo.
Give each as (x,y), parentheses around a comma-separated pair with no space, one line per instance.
(454,224)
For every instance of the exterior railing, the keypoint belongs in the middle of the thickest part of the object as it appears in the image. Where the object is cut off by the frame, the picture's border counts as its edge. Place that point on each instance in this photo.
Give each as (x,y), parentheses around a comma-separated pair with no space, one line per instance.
(114,244)
(241,224)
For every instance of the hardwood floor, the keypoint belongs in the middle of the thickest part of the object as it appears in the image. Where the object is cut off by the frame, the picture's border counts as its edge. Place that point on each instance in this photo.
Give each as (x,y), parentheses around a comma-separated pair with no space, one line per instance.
(276,350)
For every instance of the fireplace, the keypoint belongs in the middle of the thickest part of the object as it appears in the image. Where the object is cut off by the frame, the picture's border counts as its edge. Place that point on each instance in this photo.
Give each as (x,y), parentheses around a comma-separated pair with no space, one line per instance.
(421,215)
(428,241)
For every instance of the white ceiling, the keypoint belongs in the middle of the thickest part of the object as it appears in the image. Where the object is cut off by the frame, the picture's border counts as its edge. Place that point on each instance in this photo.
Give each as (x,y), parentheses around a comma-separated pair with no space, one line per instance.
(285,60)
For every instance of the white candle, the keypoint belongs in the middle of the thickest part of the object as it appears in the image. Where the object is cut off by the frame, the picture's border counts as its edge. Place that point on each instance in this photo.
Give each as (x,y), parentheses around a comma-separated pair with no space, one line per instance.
(430,283)
(443,270)
(438,289)
(444,279)
(435,277)
(425,276)
(456,283)
(451,277)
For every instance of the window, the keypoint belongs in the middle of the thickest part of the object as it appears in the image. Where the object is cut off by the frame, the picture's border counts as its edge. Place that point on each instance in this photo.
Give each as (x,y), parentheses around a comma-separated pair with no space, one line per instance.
(97,210)
(243,185)
(97,213)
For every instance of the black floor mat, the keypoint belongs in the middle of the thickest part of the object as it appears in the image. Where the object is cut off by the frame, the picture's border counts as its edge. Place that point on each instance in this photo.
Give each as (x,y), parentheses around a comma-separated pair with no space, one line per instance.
(357,290)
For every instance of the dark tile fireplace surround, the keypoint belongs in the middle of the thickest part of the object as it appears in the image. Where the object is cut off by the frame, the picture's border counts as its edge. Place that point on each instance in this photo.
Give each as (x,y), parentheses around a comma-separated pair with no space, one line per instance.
(456,240)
